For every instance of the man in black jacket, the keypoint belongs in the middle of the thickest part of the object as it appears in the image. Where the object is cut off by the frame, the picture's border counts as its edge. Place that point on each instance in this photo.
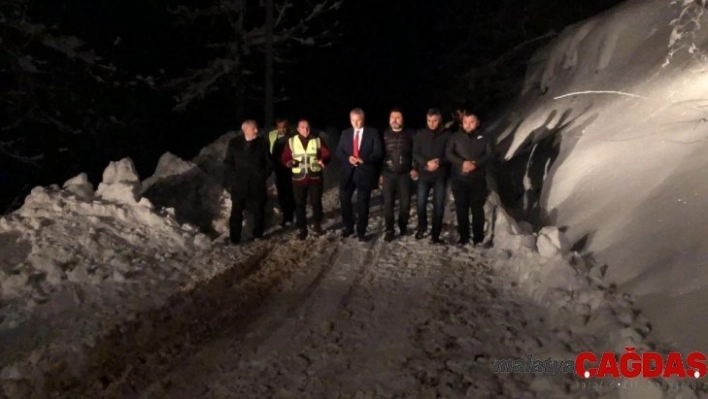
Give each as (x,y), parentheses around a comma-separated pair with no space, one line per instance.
(429,152)
(397,172)
(248,164)
(469,152)
(278,139)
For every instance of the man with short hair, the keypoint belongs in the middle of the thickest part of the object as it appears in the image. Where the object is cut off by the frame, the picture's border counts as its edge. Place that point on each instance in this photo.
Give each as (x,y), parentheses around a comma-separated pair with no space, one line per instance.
(278,139)
(429,152)
(456,123)
(360,151)
(469,152)
(397,172)
(247,165)
(306,155)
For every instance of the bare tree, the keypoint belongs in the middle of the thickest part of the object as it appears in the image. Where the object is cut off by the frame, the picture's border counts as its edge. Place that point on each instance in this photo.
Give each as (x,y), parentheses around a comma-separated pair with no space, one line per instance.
(269,30)
(38,71)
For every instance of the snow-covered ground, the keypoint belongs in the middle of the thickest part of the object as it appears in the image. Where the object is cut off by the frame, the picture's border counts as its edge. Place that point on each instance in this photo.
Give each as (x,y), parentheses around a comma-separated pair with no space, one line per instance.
(607,141)
(130,290)
(105,295)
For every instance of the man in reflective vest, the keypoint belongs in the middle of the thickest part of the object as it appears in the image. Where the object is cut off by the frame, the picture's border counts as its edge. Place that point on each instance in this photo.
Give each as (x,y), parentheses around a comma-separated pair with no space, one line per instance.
(278,139)
(306,155)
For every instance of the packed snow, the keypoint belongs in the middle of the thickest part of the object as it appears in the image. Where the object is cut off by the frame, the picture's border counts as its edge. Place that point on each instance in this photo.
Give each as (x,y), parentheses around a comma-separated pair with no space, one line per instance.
(131,290)
(105,294)
(607,142)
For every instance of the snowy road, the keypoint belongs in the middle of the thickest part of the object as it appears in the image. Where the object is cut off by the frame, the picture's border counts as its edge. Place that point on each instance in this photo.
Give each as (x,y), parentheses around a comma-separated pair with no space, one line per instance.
(403,319)
(130,303)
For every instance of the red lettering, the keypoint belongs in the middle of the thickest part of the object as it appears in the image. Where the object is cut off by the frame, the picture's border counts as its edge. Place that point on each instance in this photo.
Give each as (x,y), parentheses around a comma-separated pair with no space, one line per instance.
(651,365)
(580,360)
(674,366)
(697,361)
(630,363)
(608,365)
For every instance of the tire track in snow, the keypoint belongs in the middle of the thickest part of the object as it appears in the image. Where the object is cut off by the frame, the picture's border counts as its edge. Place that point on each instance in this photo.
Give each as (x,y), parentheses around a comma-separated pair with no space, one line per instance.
(154,344)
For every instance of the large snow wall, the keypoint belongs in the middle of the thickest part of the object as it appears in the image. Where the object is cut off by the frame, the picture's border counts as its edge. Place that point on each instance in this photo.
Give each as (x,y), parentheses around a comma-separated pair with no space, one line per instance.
(607,141)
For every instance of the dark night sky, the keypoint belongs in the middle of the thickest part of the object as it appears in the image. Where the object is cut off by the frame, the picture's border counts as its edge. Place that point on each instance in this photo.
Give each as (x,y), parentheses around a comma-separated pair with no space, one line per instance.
(388,53)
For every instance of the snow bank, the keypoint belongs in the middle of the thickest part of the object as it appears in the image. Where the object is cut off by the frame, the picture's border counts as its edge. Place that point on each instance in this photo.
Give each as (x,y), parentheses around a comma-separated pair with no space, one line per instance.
(64,236)
(607,142)
(197,197)
(76,263)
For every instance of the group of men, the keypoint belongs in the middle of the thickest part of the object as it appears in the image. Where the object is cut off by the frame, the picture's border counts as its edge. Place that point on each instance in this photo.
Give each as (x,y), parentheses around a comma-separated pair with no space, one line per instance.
(433,159)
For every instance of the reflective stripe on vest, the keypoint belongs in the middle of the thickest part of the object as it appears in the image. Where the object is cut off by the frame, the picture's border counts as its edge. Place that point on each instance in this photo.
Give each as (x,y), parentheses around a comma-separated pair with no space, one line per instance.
(307,158)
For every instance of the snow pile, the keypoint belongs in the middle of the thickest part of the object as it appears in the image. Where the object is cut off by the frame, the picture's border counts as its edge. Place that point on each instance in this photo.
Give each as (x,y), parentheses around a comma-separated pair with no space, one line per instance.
(211,157)
(66,237)
(196,190)
(80,187)
(196,197)
(120,182)
(76,263)
(607,142)
(551,241)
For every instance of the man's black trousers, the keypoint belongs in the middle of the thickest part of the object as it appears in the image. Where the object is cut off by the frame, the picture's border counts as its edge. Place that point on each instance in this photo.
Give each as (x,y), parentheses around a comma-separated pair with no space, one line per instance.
(470,196)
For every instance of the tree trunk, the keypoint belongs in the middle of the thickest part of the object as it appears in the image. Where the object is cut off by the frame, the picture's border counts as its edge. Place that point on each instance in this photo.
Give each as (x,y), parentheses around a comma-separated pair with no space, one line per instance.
(239,83)
(269,58)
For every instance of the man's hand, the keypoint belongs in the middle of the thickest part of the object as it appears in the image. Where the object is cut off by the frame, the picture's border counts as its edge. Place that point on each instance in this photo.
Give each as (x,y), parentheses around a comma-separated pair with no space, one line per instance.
(381,181)
(433,165)
(319,162)
(468,166)
(291,163)
(353,160)
(414,174)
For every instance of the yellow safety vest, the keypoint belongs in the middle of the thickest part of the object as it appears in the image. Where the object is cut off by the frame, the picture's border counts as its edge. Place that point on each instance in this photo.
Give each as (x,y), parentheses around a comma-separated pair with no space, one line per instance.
(307,157)
(272,137)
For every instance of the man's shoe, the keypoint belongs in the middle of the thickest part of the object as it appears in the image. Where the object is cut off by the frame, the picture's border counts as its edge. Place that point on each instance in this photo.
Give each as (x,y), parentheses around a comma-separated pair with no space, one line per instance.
(347,233)
(419,234)
(317,229)
(463,241)
(404,231)
(436,240)
(234,241)
(389,236)
(302,234)
(362,238)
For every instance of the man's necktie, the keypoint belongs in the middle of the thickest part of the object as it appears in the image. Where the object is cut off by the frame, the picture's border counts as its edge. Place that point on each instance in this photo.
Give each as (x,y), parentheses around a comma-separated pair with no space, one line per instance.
(355,144)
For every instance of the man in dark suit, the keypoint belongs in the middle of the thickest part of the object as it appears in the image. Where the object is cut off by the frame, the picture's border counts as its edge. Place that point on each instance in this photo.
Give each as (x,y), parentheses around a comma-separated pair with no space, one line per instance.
(361,152)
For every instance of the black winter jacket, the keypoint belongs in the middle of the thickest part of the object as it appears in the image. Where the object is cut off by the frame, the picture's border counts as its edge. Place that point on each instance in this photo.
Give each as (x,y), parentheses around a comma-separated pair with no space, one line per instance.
(247,161)
(474,146)
(398,151)
(278,147)
(429,145)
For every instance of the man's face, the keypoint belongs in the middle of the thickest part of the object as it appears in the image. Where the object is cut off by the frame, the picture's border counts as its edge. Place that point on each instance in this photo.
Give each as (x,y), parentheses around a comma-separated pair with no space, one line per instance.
(356,120)
(250,130)
(433,121)
(303,127)
(470,123)
(282,127)
(395,120)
